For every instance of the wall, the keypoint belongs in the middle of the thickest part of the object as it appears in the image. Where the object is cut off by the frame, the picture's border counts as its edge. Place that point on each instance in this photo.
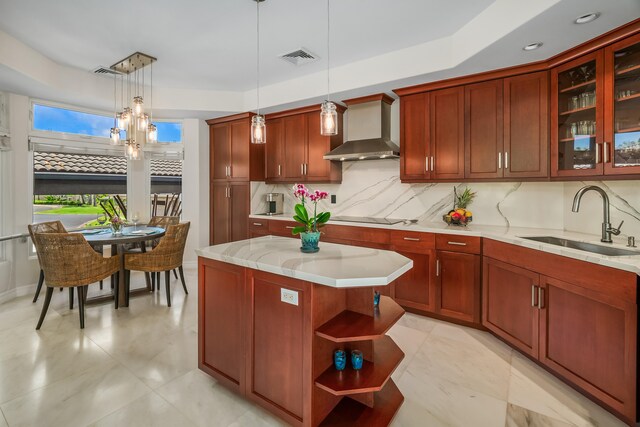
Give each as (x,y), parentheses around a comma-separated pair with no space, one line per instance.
(195,185)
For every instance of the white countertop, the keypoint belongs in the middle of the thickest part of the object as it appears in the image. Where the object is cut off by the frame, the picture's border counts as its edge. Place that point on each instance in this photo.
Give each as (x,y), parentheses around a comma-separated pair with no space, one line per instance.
(338,266)
(511,235)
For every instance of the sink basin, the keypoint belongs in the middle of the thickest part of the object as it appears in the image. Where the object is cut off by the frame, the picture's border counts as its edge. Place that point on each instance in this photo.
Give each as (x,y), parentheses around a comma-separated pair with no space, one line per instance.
(582,246)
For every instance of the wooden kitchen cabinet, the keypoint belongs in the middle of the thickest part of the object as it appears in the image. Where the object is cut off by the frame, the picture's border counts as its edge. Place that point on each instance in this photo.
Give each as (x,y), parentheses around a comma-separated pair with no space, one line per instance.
(526,126)
(274,150)
(414,138)
(295,148)
(229,208)
(589,337)
(232,156)
(446,133)
(484,130)
(458,286)
(416,288)
(509,304)
(220,308)
(576,318)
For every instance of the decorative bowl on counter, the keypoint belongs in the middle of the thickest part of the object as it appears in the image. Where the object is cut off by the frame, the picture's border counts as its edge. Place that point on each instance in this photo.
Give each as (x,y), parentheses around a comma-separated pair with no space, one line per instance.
(458,217)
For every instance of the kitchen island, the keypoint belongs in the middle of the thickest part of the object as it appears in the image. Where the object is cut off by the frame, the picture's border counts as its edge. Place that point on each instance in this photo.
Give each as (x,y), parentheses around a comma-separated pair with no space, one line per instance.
(270,318)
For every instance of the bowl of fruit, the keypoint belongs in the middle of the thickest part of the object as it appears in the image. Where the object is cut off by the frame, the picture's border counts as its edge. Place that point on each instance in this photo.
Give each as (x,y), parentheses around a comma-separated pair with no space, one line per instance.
(460,215)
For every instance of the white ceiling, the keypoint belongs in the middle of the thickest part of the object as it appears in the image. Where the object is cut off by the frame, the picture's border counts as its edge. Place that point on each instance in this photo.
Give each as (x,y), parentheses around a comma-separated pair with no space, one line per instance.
(211,44)
(206,48)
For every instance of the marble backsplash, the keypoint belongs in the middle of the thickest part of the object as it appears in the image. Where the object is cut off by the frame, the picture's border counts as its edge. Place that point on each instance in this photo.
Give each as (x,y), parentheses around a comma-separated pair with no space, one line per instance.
(373,188)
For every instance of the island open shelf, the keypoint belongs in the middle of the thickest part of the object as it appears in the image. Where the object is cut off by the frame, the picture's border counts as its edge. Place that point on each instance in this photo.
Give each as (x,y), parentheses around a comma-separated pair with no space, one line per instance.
(267,330)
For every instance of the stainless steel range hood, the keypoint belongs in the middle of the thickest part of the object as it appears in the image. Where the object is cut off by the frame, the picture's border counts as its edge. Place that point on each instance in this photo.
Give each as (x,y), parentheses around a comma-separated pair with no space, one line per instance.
(368,130)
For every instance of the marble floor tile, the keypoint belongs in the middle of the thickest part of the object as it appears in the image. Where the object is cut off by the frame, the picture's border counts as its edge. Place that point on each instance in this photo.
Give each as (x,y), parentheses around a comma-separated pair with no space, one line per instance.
(437,402)
(518,416)
(202,399)
(150,410)
(257,417)
(533,388)
(409,340)
(465,357)
(77,400)
(48,364)
(3,421)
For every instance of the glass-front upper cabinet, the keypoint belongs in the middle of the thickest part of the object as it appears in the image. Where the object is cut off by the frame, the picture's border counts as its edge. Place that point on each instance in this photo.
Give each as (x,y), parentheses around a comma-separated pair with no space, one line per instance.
(622,107)
(576,120)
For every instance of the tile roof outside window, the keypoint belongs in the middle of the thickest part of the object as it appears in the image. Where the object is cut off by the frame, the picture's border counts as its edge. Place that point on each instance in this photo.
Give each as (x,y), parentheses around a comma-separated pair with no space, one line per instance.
(83,164)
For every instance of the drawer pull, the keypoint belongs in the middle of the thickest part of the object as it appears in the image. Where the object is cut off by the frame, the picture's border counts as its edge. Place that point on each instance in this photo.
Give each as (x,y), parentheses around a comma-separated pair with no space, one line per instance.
(259,224)
(289,227)
(533,295)
(412,239)
(457,243)
(437,268)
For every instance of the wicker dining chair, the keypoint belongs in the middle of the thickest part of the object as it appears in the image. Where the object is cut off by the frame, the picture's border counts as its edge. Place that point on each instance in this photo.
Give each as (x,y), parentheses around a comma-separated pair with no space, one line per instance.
(69,261)
(46,227)
(164,257)
(162,222)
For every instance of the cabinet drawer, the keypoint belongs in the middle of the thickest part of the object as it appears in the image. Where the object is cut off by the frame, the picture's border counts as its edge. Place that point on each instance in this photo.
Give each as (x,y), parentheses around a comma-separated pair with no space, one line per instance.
(456,243)
(258,226)
(281,228)
(412,241)
(361,235)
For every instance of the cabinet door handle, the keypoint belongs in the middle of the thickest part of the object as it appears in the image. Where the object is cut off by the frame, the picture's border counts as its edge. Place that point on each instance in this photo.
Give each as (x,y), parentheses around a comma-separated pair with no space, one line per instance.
(426,163)
(411,239)
(279,170)
(533,295)
(457,243)
(259,224)
(289,227)
(605,152)
(305,168)
(540,298)
(597,153)
(437,268)
(500,160)
(432,167)
(301,168)
(506,160)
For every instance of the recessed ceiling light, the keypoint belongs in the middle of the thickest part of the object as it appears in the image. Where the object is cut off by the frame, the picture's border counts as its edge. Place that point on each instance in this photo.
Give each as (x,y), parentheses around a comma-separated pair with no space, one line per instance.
(532,46)
(585,19)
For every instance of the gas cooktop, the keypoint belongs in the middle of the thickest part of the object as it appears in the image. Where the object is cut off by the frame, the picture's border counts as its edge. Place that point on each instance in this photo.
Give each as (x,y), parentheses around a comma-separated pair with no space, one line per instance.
(366,219)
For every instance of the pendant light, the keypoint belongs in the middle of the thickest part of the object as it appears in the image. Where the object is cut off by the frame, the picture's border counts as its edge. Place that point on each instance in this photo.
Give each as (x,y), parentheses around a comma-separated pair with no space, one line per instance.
(115,130)
(258,127)
(152,130)
(328,113)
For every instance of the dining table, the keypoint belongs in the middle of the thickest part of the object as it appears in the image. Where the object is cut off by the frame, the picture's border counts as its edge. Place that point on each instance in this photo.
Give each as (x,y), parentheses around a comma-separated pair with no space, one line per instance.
(130,235)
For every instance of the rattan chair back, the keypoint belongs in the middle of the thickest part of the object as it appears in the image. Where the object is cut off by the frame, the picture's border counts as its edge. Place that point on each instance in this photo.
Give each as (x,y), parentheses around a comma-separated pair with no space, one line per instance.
(67,259)
(44,227)
(164,257)
(163,221)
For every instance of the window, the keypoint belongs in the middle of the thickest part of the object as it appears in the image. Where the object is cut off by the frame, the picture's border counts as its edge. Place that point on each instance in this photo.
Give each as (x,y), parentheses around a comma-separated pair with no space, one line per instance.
(166,186)
(169,131)
(56,119)
(79,190)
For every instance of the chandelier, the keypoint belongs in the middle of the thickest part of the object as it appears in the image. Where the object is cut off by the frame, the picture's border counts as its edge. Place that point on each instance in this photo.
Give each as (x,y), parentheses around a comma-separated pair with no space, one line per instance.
(132,120)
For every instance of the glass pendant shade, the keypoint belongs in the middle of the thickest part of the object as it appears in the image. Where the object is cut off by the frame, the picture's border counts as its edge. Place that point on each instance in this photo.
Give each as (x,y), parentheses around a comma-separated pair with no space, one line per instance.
(258,130)
(152,133)
(328,119)
(125,118)
(138,105)
(115,136)
(132,152)
(143,121)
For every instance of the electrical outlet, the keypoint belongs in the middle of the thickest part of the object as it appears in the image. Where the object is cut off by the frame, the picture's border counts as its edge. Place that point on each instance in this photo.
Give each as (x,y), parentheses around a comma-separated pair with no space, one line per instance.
(289,296)
(333,199)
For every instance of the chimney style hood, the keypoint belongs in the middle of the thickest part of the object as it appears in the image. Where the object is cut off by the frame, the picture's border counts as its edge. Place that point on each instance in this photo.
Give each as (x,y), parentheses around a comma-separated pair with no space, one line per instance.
(368,130)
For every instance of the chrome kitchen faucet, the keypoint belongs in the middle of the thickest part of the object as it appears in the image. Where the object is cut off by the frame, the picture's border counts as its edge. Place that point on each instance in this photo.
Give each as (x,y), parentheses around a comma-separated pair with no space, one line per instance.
(607,230)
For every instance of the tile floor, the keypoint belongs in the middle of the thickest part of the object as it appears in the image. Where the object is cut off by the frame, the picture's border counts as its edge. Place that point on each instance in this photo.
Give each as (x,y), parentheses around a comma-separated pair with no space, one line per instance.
(138,367)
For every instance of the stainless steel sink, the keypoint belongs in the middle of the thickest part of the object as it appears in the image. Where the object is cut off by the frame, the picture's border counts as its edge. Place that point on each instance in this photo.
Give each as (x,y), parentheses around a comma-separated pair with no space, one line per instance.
(582,246)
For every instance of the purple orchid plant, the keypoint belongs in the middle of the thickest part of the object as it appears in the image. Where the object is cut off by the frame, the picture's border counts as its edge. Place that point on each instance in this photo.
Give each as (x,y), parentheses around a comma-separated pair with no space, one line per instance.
(318,220)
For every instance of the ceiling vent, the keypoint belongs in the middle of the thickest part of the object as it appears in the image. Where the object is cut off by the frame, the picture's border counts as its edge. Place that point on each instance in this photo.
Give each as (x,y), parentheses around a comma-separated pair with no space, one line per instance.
(299,56)
(105,70)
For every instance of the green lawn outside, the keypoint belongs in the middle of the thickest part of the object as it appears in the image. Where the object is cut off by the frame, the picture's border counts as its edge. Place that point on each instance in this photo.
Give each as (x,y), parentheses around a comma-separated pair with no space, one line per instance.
(73,210)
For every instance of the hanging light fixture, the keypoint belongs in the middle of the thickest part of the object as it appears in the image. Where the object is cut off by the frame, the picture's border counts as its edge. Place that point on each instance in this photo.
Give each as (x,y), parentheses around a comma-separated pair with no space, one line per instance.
(133,119)
(328,113)
(115,130)
(152,130)
(258,127)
